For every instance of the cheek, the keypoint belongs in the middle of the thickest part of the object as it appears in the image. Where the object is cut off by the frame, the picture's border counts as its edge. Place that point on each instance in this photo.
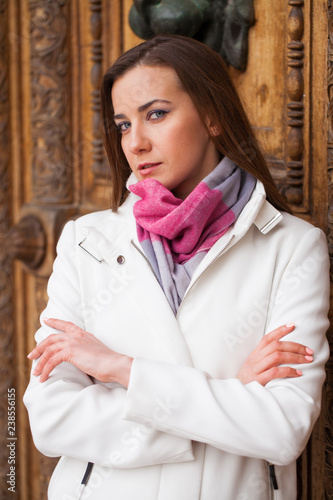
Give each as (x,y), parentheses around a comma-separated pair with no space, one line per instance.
(192,134)
(125,149)
(180,140)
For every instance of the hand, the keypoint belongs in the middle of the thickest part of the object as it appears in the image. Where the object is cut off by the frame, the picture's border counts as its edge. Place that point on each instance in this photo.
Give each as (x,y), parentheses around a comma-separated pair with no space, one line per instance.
(83,350)
(263,365)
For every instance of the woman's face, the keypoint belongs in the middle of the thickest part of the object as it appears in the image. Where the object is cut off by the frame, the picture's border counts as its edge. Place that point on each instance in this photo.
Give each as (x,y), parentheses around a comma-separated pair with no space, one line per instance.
(162,135)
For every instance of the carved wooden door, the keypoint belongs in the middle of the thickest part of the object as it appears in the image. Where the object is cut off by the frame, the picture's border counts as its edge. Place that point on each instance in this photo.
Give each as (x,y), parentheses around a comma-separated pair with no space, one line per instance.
(52,168)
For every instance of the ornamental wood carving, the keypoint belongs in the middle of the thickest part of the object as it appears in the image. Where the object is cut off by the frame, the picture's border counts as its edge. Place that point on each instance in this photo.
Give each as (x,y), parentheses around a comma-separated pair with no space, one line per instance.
(49,101)
(99,167)
(295,90)
(26,241)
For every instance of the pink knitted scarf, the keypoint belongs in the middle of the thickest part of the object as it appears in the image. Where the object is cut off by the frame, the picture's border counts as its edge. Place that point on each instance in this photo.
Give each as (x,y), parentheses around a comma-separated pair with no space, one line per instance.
(176,234)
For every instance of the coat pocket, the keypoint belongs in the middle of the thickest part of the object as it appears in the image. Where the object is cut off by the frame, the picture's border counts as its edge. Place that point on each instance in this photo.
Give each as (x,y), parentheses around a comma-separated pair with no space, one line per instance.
(65,483)
(55,477)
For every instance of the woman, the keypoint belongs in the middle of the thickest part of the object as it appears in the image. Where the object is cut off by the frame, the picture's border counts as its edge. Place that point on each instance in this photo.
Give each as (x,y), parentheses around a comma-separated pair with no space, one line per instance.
(169,375)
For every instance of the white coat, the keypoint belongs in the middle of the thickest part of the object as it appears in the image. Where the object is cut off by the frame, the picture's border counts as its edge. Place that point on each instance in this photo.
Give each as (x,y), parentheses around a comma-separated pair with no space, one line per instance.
(186,428)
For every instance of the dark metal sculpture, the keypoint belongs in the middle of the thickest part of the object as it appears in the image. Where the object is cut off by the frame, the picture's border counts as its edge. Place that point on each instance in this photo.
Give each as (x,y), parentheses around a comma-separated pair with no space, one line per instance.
(221,24)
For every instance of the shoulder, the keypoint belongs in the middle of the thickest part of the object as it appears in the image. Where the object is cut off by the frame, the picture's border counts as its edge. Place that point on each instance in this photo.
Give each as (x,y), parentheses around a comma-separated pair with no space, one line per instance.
(295,229)
(293,222)
(74,230)
(280,230)
(291,239)
(98,218)
(296,241)
(93,219)
(106,222)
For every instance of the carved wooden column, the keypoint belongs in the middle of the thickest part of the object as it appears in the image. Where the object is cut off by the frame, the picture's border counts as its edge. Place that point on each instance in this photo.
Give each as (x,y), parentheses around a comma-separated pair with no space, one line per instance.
(98,167)
(295,90)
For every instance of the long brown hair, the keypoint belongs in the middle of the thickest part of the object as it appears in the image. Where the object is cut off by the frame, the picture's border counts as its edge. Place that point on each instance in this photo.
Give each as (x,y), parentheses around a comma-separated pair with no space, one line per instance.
(205,78)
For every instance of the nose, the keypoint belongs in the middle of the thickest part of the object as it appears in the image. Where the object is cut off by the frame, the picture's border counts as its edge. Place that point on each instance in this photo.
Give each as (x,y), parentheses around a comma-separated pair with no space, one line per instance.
(138,141)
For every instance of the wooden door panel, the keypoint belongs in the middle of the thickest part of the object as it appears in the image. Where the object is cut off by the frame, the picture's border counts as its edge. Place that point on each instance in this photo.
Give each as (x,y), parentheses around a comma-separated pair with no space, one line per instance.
(53,166)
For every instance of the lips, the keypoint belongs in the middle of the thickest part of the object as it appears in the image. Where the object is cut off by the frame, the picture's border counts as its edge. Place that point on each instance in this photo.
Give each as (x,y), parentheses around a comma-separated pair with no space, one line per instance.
(143,166)
(147,167)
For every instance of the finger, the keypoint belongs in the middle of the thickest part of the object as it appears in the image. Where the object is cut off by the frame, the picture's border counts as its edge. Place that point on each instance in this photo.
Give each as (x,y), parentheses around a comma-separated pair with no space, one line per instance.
(43,345)
(272,341)
(50,365)
(295,347)
(282,358)
(278,346)
(273,336)
(48,353)
(66,327)
(60,324)
(279,332)
(278,372)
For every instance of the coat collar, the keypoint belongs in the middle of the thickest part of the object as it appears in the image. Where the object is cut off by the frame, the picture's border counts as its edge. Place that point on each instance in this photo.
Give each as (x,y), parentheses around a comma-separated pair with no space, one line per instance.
(104,239)
(258,211)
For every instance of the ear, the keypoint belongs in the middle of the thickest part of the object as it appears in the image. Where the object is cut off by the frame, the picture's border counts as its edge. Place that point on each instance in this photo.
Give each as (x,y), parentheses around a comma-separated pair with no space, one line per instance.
(214,130)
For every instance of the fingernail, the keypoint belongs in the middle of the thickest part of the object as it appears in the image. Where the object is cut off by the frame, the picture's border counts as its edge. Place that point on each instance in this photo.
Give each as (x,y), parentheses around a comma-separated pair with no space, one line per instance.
(46,319)
(309,358)
(299,372)
(290,325)
(29,355)
(308,350)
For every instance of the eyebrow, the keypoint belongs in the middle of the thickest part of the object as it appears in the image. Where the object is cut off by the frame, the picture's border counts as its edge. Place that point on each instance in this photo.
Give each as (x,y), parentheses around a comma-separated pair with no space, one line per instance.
(143,107)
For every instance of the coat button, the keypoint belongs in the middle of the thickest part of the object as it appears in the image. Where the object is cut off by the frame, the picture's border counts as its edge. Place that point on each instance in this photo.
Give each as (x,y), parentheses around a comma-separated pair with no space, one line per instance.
(120,259)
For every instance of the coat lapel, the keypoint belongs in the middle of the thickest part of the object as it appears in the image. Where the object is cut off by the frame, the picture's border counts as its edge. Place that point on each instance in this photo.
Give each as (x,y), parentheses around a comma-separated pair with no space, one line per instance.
(113,243)
(258,211)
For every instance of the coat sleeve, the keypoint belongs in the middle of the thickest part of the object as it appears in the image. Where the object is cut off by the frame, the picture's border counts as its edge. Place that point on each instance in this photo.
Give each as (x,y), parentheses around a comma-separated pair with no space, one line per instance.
(72,416)
(272,422)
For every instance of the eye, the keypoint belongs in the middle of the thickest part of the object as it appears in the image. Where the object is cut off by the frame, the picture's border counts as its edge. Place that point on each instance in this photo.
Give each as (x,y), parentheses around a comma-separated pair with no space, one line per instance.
(123,126)
(156,114)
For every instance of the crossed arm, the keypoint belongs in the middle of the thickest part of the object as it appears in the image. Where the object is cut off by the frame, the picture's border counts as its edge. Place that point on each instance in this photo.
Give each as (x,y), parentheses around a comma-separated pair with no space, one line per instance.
(267,362)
